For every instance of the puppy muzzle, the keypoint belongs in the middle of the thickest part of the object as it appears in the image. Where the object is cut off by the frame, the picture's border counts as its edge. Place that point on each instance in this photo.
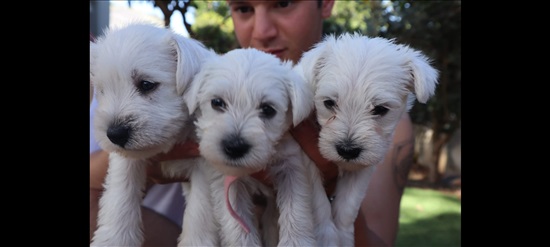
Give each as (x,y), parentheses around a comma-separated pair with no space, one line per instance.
(119,134)
(347,150)
(235,147)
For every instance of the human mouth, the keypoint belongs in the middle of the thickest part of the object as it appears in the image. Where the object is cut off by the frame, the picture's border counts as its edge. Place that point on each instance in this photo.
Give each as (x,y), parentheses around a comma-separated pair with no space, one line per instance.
(276,52)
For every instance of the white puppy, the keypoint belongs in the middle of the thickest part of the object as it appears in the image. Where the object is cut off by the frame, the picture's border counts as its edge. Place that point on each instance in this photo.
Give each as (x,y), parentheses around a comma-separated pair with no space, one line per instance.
(140,73)
(245,101)
(363,86)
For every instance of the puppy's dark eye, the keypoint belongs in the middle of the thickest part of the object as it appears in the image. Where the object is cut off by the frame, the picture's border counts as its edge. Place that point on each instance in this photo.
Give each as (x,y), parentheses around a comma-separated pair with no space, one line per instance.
(267,111)
(146,86)
(379,110)
(218,104)
(330,104)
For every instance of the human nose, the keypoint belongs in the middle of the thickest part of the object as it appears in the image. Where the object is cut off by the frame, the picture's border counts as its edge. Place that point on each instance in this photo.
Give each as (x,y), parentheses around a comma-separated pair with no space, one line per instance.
(264,27)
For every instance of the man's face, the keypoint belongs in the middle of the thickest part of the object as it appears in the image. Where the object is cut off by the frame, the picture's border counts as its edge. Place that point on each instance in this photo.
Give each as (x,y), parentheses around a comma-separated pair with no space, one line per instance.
(283,28)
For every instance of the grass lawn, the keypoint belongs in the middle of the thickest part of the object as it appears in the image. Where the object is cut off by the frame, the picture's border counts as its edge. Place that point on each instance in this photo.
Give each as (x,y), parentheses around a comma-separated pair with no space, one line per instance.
(429,218)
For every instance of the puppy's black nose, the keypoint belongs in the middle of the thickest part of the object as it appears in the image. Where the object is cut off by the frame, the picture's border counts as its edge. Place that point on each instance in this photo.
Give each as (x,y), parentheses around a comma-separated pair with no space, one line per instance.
(119,134)
(348,151)
(235,147)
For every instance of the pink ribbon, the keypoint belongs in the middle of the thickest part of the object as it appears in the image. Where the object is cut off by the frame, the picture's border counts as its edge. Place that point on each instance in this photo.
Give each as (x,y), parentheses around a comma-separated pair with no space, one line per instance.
(226,183)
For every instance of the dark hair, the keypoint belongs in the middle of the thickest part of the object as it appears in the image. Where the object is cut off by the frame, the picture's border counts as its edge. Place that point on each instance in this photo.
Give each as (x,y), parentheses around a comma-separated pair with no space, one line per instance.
(319,3)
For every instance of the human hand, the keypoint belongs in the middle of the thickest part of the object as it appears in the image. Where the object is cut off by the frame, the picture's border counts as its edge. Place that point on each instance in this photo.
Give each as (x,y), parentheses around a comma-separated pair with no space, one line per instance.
(307,135)
(186,150)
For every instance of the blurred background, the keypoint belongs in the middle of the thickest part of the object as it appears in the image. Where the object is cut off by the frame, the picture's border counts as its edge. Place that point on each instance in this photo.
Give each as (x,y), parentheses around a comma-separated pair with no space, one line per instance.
(431,206)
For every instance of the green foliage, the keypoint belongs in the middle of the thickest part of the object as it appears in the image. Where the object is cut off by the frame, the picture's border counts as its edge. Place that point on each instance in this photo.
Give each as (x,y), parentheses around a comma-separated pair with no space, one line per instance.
(220,7)
(429,218)
(355,16)
(214,27)
(435,28)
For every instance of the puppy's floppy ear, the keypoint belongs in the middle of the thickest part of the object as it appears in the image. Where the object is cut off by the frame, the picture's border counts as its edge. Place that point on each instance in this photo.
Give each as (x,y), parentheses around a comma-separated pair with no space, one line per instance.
(191,95)
(313,61)
(301,96)
(423,75)
(190,54)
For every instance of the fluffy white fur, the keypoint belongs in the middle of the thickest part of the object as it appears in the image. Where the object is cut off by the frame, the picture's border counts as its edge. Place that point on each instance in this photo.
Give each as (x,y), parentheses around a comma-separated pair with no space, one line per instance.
(245,101)
(140,72)
(363,86)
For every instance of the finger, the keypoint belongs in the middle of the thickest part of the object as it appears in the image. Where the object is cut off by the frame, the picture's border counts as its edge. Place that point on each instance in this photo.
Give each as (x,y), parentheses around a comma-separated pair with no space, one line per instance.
(186,150)
(263,177)
(307,135)
(156,176)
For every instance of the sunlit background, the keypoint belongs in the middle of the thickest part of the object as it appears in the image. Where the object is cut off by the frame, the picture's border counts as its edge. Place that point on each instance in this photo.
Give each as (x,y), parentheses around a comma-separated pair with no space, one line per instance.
(116,13)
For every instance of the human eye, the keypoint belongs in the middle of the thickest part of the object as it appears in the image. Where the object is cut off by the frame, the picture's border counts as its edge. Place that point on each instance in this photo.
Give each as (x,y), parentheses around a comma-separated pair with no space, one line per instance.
(283,4)
(241,8)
